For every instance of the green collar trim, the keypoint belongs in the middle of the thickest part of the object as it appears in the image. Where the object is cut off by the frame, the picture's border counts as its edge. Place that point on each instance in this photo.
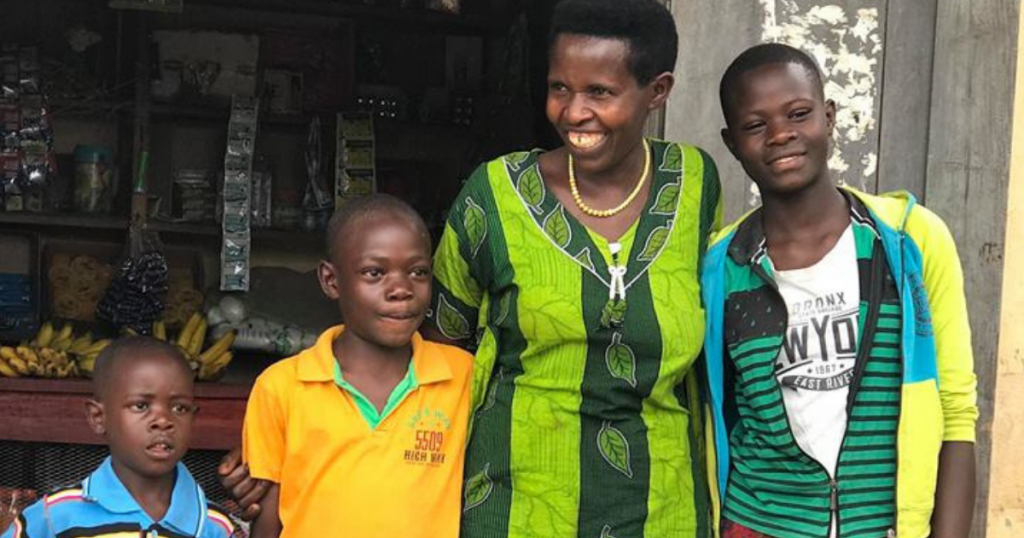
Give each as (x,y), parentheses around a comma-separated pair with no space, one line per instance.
(366,408)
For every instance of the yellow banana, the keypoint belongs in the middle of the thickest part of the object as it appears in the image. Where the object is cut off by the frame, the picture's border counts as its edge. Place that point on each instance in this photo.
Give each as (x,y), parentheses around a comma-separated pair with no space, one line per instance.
(220,346)
(61,358)
(63,338)
(198,337)
(185,336)
(28,355)
(19,365)
(47,355)
(45,335)
(160,330)
(96,347)
(8,353)
(80,343)
(128,331)
(7,371)
(87,362)
(214,367)
(60,345)
(65,371)
(36,368)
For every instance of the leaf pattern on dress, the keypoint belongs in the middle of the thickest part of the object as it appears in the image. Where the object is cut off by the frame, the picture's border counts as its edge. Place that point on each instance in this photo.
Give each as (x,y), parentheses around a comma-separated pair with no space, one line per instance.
(516,159)
(478,489)
(476,225)
(673,159)
(614,448)
(504,305)
(655,242)
(492,392)
(584,258)
(665,203)
(531,187)
(613,313)
(557,227)
(621,360)
(450,322)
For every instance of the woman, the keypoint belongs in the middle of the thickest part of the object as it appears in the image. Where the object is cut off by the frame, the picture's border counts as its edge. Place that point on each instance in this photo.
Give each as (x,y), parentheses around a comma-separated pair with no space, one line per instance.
(574,273)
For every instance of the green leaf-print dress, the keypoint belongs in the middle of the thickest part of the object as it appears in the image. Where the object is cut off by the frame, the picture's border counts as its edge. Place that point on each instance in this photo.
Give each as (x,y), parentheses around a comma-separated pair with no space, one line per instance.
(582,424)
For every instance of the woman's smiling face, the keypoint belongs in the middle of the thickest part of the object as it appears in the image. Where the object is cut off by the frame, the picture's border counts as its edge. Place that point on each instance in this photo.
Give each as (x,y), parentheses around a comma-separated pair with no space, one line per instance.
(595,102)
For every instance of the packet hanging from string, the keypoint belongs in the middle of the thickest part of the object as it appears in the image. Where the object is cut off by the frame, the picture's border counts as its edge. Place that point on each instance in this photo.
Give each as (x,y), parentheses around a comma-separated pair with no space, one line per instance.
(134,298)
(236,224)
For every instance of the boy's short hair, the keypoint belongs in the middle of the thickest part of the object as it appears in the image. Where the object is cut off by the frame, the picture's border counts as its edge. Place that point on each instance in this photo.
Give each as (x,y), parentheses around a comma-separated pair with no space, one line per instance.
(129,348)
(646,25)
(356,209)
(757,56)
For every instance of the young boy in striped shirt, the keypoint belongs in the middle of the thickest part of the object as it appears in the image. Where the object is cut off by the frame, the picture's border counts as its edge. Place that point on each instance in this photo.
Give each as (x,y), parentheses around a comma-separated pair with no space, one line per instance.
(143,405)
(839,354)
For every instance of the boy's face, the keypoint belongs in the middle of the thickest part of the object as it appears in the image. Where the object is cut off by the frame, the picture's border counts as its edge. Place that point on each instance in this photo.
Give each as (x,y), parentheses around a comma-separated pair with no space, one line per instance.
(380,277)
(779,127)
(595,102)
(146,415)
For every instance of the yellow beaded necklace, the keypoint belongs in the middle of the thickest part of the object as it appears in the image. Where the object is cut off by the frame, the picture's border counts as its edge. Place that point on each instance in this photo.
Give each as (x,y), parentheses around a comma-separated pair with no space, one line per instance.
(615,210)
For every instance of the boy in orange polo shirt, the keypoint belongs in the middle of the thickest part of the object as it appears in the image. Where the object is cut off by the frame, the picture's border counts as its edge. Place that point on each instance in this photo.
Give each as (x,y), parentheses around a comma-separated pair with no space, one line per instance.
(363,434)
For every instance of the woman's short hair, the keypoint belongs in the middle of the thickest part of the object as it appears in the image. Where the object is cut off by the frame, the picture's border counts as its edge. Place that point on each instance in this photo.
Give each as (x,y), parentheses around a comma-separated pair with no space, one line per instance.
(646,25)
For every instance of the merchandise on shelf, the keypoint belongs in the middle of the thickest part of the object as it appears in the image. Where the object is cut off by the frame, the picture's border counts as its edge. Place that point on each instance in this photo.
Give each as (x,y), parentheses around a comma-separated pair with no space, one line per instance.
(76,284)
(26,138)
(355,161)
(237,199)
(59,353)
(94,179)
(133,299)
(53,353)
(16,309)
(194,196)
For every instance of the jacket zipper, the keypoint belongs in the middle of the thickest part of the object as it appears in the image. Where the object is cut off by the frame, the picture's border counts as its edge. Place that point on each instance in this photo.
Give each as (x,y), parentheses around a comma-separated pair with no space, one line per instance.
(863,353)
(870,324)
(833,484)
(899,413)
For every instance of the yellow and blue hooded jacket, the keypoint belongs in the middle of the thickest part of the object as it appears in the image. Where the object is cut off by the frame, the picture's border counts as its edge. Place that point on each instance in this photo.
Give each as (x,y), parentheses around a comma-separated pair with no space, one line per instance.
(928,352)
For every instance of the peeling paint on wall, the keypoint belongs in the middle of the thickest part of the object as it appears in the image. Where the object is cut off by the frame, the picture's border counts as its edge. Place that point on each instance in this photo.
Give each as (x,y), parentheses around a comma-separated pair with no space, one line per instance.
(846,42)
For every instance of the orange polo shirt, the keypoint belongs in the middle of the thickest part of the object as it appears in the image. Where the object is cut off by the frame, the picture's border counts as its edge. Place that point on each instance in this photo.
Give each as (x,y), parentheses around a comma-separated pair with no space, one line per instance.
(341,477)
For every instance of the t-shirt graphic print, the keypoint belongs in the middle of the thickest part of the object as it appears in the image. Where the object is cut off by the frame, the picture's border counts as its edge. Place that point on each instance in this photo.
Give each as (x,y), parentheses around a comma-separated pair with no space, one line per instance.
(816,363)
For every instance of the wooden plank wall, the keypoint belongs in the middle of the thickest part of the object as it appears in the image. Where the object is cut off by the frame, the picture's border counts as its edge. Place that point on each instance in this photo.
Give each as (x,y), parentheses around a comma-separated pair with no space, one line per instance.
(968,172)
(941,129)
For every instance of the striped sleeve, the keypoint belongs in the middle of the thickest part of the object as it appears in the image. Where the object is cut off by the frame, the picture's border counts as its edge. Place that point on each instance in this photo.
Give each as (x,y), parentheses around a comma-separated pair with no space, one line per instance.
(944,285)
(31,523)
(219,523)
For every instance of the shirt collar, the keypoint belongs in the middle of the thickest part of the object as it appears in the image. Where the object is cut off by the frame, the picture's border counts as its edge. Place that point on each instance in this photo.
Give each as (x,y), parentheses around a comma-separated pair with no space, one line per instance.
(316,364)
(749,246)
(187,511)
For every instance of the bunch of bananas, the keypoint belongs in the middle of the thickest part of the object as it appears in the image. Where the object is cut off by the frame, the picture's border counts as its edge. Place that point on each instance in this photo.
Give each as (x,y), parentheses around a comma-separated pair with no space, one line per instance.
(52,353)
(59,353)
(209,364)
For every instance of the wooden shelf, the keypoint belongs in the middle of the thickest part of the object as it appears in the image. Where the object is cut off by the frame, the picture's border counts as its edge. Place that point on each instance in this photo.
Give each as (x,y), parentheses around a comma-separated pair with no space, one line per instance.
(213,113)
(418,19)
(52,410)
(78,220)
(90,108)
(64,220)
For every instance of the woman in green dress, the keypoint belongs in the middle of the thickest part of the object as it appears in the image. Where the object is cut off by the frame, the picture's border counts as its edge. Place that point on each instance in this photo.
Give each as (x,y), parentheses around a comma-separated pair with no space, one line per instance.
(573,274)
